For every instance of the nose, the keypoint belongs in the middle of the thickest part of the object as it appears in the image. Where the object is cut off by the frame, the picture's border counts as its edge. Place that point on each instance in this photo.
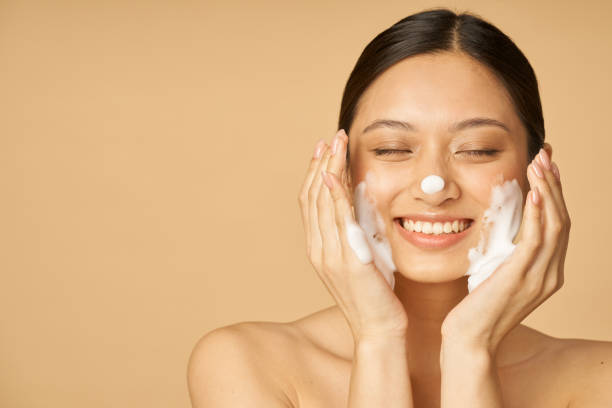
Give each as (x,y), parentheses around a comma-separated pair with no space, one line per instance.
(434,185)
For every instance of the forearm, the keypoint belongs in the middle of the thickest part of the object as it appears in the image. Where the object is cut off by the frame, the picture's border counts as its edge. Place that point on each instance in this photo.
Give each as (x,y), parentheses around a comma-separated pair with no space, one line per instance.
(380,376)
(469,378)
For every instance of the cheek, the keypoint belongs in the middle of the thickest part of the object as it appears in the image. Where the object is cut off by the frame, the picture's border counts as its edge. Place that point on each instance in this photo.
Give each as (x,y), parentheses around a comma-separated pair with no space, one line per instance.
(480,184)
(379,185)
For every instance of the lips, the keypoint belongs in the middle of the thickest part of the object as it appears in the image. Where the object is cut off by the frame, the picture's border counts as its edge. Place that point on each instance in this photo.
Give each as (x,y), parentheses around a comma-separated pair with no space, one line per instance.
(432,241)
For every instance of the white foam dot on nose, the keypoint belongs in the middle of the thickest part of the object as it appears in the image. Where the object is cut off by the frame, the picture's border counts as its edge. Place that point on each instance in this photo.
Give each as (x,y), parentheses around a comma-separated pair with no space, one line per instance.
(432,184)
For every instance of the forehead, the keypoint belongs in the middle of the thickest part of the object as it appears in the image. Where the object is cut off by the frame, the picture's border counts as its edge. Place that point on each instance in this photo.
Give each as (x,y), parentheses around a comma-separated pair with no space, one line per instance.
(434,91)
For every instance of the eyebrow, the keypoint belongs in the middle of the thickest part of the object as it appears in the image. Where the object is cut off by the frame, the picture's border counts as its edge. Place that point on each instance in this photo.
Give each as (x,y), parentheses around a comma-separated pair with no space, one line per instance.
(455,127)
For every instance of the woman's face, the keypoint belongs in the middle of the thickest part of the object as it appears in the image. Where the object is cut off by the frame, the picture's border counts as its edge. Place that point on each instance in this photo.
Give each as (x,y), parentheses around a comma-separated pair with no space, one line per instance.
(432,93)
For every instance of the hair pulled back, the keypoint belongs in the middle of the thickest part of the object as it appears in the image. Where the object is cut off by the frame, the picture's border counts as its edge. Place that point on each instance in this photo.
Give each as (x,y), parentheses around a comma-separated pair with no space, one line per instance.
(442,30)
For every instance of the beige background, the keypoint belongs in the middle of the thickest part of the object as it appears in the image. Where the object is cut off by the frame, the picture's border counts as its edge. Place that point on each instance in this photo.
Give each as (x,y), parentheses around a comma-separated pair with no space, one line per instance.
(150,159)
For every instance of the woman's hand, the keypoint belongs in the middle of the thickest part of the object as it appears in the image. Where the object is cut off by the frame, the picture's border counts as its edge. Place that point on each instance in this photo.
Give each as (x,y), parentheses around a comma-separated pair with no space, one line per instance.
(528,277)
(360,290)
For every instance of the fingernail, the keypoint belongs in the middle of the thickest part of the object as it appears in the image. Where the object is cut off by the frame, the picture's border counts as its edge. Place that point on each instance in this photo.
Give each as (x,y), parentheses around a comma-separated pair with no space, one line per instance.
(537,170)
(545,159)
(335,144)
(343,133)
(555,171)
(535,195)
(319,149)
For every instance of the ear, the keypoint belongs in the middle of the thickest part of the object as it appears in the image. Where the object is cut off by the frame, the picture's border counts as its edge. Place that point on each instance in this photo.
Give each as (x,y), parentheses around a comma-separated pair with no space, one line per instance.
(548,149)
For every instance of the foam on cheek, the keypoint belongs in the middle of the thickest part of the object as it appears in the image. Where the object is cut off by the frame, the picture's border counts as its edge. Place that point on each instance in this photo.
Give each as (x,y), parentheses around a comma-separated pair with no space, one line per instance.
(370,232)
(357,240)
(503,219)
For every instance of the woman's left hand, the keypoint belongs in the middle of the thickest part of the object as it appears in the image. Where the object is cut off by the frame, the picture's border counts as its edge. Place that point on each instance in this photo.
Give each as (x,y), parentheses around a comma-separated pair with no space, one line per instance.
(527,278)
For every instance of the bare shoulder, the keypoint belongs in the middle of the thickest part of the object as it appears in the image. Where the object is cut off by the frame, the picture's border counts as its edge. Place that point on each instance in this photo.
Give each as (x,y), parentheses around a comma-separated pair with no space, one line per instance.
(243,364)
(589,364)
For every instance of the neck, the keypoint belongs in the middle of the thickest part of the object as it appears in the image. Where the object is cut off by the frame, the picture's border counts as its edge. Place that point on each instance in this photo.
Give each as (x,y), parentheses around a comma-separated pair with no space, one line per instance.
(427,305)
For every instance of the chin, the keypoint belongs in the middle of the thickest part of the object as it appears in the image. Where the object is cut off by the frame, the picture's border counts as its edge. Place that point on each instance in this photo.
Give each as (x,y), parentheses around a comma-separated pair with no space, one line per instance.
(433,268)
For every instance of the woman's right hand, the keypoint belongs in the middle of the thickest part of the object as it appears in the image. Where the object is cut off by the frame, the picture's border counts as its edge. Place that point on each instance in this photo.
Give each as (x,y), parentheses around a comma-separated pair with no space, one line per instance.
(370,306)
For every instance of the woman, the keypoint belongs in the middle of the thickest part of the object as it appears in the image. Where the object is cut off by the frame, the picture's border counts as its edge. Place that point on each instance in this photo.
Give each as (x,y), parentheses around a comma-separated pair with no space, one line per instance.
(441,97)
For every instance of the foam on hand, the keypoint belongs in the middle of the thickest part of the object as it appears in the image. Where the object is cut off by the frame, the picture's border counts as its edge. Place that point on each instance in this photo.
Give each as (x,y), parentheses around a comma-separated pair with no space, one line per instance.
(503,219)
(368,240)
(432,184)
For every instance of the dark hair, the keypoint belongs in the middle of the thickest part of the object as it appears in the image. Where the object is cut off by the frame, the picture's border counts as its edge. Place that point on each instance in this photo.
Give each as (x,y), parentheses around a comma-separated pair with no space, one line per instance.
(440,30)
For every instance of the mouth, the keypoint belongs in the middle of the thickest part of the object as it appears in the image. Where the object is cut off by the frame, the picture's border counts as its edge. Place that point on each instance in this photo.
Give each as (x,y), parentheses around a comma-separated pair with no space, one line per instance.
(433,234)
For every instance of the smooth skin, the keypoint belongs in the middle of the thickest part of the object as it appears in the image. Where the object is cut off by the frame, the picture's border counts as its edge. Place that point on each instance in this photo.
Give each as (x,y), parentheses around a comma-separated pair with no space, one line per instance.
(427,343)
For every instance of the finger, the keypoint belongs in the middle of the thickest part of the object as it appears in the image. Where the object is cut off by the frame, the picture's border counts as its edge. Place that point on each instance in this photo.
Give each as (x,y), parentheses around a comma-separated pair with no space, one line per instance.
(331,247)
(551,174)
(344,217)
(532,231)
(310,173)
(329,241)
(553,224)
(338,149)
(554,182)
(554,278)
(337,164)
(303,197)
(554,283)
(553,178)
(541,271)
(313,194)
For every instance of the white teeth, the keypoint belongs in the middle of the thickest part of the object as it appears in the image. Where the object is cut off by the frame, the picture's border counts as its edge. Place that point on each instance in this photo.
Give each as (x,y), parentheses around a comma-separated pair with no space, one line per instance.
(410,225)
(436,228)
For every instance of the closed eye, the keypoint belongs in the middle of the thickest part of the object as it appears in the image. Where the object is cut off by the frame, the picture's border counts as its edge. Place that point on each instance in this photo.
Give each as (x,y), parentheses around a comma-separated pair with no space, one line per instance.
(387,152)
(478,153)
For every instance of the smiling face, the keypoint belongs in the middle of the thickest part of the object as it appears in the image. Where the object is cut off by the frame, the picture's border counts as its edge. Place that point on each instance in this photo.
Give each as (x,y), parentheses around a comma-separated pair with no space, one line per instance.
(432,93)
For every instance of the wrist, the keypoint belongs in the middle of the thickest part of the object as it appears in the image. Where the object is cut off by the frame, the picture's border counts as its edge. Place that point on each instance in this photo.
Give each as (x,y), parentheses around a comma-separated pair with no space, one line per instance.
(380,349)
(379,340)
(471,345)
(464,353)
